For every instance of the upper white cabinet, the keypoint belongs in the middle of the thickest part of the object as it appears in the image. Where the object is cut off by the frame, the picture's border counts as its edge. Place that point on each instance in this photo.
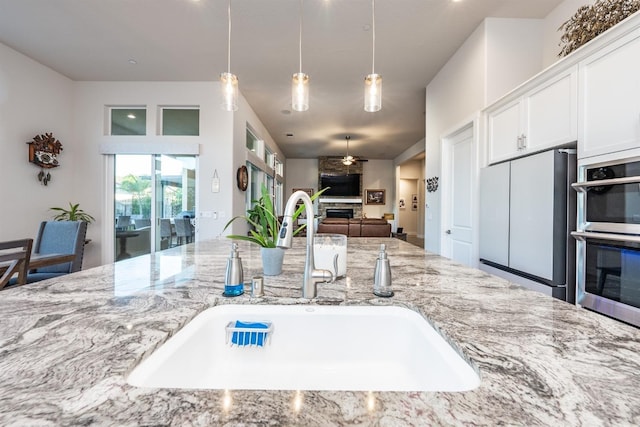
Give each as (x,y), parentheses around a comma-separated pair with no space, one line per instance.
(544,117)
(610,98)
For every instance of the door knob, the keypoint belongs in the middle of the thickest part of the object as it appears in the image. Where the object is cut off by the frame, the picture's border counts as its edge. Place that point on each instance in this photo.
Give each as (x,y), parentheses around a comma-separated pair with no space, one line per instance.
(448,231)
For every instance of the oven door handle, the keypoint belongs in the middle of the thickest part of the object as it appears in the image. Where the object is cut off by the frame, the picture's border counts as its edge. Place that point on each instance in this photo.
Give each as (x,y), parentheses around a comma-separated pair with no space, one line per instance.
(582,186)
(583,235)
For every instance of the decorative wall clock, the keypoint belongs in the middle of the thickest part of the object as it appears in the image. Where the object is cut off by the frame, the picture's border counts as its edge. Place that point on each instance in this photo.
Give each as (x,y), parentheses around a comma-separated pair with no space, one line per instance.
(43,152)
(242,178)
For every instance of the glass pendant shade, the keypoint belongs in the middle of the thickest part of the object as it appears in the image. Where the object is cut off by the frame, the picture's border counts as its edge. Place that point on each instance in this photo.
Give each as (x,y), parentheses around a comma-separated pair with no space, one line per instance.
(300,92)
(229,90)
(373,93)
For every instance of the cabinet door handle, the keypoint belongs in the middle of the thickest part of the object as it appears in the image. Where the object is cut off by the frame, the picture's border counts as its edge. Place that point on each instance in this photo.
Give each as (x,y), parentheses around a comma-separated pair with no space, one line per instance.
(519,143)
(448,231)
(524,141)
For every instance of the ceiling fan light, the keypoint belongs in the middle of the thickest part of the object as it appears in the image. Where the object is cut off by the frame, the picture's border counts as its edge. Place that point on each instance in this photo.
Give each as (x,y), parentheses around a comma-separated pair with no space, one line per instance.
(373,93)
(229,90)
(300,92)
(347,162)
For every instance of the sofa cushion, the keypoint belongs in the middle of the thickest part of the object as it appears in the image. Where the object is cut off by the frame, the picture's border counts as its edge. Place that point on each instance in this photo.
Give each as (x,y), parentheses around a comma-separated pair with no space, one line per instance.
(335,221)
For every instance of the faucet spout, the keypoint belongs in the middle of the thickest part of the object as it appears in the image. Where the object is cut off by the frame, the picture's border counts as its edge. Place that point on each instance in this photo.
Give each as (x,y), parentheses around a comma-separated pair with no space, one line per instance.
(312,276)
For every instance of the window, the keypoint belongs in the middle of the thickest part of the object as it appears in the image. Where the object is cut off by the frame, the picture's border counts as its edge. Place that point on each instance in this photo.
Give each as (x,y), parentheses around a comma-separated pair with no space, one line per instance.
(269,157)
(252,141)
(128,121)
(180,121)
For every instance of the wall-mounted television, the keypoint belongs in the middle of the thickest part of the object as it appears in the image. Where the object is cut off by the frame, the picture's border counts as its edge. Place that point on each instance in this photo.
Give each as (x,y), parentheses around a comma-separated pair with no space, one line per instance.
(341,185)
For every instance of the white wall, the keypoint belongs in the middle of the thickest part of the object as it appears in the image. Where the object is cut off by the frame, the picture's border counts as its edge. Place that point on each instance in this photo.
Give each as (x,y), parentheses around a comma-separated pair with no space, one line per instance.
(408,218)
(551,23)
(215,140)
(414,171)
(301,173)
(379,174)
(456,92)
(498,56)
(241,118)
(514,54)
(33,100)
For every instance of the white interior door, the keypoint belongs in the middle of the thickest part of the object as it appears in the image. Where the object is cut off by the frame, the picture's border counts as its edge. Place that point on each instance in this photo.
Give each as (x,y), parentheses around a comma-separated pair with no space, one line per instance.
(458,171)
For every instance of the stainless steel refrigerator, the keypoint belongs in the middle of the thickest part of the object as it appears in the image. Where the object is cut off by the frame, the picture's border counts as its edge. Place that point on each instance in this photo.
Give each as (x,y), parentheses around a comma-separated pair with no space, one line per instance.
(527,211)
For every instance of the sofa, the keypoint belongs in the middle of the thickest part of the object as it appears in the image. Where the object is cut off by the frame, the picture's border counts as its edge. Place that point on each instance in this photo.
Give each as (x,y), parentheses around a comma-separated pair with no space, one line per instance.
(356,227)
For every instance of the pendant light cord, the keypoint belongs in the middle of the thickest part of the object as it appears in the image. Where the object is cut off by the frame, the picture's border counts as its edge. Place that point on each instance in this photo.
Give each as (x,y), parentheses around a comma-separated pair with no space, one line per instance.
(373,28)
(300,37)
(229,38)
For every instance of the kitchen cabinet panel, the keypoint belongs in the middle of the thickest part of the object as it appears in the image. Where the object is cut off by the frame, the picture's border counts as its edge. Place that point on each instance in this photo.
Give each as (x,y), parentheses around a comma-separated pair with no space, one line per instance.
(494,213)
(552,113)
(531,215)
(542,118)
(504,131)
(610,98)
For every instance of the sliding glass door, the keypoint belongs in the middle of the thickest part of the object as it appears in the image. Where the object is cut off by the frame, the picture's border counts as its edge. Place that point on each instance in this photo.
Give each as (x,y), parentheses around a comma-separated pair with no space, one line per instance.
(154,194)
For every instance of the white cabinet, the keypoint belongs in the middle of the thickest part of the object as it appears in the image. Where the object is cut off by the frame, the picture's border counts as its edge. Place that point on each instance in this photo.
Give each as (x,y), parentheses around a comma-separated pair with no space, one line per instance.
(544,117)
(610,98)
(505,141)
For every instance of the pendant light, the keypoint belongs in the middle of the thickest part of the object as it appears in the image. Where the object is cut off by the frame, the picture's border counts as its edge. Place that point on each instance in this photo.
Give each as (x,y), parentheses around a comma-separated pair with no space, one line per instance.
(373,82)
(348,160)
(228,81)
(300,81)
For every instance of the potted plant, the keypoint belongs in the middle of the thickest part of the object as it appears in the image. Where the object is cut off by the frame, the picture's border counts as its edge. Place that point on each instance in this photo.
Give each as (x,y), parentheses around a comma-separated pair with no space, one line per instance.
(263,219)
(74,213)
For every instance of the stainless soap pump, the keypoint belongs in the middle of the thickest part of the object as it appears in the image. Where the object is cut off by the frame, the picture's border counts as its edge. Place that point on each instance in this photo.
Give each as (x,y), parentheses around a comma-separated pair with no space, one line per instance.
(382,275)
(233,279)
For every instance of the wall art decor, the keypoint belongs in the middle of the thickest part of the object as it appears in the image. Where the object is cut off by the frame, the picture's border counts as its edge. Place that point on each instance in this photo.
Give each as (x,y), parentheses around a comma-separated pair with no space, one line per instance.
(43,152)
(432,184)
(374,196)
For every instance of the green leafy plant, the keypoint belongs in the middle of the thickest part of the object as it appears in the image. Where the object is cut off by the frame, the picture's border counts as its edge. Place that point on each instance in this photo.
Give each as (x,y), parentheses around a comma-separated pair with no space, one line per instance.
(74,213)
(264,221)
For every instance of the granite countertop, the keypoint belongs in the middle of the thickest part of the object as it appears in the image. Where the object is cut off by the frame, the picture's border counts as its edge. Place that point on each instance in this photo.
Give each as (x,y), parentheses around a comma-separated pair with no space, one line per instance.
(66,346)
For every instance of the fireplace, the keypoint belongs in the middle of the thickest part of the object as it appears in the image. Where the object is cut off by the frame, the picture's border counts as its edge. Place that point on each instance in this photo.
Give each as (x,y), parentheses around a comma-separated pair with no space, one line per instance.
(339,213)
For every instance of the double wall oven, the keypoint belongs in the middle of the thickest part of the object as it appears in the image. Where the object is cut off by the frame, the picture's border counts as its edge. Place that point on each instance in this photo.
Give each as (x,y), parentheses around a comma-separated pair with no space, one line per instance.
(608,235)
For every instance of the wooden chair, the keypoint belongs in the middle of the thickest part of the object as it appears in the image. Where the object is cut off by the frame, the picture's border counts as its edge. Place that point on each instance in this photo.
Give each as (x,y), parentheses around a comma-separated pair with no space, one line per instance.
(15,262)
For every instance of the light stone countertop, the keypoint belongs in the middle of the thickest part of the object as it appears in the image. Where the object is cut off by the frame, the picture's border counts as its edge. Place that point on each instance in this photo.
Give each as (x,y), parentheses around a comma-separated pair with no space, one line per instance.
(66,346)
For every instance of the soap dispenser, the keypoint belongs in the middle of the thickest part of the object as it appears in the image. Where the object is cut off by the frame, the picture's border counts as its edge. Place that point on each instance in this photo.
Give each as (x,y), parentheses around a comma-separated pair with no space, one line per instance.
(233,280)
(382,275)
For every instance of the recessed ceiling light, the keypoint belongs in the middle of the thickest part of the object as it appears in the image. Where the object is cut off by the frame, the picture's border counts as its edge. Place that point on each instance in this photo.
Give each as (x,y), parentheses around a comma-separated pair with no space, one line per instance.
(285,111)
(131,116)
(133,61)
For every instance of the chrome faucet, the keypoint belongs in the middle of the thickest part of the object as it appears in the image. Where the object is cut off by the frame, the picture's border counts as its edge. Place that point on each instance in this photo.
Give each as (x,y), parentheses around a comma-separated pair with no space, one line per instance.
(311,276)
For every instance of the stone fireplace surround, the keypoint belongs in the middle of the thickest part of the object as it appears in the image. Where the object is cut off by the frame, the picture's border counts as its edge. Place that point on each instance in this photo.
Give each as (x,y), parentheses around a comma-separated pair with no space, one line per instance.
(334,165)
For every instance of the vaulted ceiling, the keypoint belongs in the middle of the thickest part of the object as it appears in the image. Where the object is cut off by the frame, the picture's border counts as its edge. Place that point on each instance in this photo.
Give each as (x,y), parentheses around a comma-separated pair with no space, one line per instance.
(186,40)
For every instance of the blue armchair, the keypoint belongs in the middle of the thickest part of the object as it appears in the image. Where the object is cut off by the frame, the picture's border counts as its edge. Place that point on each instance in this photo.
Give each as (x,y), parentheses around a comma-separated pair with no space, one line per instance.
(59,237)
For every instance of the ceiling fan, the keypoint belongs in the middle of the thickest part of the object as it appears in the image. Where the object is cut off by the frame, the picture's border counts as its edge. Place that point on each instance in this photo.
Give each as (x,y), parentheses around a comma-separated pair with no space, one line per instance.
(348,160)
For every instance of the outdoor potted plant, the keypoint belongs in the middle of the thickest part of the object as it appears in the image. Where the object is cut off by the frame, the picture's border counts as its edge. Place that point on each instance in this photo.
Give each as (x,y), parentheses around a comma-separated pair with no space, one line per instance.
(263,219)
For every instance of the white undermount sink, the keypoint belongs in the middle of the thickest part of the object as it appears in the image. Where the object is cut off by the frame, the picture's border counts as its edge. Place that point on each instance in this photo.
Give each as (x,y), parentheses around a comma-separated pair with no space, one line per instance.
(369,348)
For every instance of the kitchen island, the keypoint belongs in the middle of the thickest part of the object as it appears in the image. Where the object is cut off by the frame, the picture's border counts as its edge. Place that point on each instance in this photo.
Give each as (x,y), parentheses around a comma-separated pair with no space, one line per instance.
(67,345)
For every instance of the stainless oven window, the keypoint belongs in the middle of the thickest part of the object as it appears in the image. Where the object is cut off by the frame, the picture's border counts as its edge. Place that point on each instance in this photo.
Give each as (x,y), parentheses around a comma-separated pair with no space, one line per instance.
(616,202)
(613,271)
